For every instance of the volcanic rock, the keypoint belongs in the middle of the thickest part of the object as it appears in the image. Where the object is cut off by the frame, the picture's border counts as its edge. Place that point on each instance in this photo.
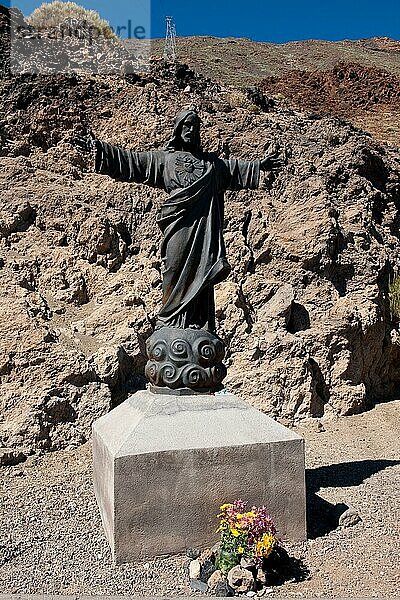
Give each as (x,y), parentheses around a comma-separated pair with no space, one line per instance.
(216,578)
(241,580)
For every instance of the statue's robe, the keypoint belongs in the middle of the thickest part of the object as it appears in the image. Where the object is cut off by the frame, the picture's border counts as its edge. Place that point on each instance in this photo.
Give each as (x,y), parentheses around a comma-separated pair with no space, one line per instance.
(191,220)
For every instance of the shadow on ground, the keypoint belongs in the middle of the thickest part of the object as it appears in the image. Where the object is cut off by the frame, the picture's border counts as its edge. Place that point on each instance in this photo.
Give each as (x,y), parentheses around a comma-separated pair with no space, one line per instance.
(282,568)
(322,516)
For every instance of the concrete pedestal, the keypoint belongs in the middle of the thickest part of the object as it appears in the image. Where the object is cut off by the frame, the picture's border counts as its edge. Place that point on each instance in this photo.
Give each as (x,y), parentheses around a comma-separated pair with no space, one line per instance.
(163,464)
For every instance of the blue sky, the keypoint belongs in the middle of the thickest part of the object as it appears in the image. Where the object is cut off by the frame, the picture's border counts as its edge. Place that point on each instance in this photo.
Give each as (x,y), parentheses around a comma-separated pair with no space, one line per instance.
(262,20)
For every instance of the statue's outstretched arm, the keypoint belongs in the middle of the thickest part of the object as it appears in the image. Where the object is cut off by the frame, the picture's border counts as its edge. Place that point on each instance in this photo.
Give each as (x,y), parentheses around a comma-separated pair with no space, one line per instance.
(273,161)
(121,164)
(237,174)
(84,143)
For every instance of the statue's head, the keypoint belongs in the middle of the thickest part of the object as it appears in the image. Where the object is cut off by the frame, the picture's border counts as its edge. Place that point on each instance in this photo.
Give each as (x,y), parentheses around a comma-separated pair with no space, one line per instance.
(186,135)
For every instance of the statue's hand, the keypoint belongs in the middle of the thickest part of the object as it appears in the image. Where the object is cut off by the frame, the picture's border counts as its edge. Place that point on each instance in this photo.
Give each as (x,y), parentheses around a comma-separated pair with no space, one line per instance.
(84,143)
(273,161)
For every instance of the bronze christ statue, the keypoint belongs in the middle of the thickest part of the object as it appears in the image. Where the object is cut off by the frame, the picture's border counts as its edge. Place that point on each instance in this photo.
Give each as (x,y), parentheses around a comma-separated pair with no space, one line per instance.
(192,251)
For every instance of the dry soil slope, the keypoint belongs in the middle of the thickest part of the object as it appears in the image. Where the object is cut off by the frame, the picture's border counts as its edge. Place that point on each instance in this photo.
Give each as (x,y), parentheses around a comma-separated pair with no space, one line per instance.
(367,96)
(243,62)
(356,80)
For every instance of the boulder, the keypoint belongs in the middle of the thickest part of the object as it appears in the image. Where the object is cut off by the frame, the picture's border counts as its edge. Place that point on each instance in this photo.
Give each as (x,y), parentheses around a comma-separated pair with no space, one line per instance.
(241,580)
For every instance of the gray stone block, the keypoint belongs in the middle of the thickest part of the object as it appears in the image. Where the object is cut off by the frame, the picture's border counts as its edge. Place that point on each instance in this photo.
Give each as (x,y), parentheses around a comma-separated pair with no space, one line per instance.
(163,464)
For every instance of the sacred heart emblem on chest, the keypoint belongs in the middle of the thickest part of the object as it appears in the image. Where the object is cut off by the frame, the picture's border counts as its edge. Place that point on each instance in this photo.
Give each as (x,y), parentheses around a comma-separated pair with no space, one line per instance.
(188,169)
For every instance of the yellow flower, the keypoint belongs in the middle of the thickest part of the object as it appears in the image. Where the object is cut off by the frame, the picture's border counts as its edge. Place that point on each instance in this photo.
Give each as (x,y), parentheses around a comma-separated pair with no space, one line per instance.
(225,506)
(250,514)
(240,550)
(234,531)
(268,539)
(265,546)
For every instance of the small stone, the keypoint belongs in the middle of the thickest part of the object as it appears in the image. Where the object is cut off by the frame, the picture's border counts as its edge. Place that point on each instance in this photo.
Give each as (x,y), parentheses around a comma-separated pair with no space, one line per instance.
(247,564)
(223,590)
(207,554)
(194,569)
(216,548)
(261,577)
(198,586)
(349,518)
(187,89)
(241,580)
(216,578)
(50,336)
(10,457)
(251,593)
(207,569)
(193,553)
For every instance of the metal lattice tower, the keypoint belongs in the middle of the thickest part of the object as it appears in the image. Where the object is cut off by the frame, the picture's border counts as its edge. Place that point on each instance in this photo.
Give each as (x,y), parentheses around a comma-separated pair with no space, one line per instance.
(170,40)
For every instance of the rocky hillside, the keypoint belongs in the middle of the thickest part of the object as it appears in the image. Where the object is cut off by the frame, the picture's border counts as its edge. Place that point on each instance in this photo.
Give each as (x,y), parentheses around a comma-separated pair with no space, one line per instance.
(305,312)
(346,89)
(366,96)
(357,80)
(242,62)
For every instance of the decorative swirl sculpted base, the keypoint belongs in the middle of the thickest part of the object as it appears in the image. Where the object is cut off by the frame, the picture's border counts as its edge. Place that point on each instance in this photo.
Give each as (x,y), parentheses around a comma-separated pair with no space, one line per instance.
(189,359)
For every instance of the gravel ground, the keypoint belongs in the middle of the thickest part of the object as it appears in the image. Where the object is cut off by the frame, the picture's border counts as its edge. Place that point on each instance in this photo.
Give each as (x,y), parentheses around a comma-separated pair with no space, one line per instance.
(52,541)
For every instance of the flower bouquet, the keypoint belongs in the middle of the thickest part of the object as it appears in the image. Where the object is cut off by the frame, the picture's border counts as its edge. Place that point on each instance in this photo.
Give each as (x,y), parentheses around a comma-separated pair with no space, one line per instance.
(245,534)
